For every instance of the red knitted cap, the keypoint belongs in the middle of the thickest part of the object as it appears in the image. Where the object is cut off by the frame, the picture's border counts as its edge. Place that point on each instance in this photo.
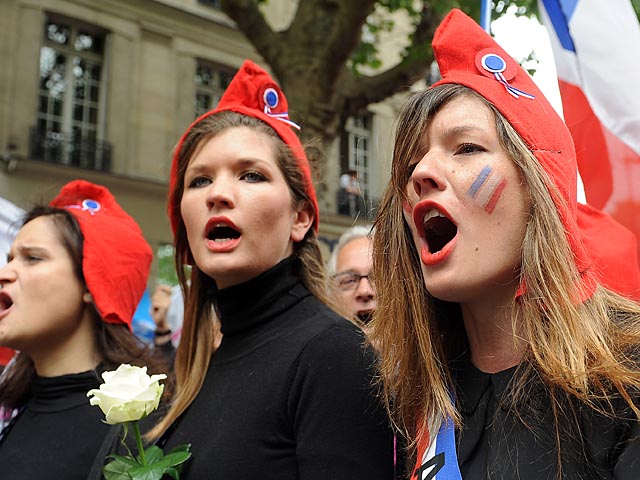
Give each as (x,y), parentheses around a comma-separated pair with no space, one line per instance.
(254,93)
(467,55)
(115,257)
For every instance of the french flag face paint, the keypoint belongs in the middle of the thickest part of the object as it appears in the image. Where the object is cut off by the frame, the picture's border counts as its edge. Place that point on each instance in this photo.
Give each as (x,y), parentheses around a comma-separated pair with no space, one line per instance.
(487,189)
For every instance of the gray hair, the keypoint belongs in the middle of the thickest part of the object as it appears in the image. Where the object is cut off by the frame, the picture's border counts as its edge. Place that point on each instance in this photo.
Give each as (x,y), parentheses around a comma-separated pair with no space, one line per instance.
(355,232)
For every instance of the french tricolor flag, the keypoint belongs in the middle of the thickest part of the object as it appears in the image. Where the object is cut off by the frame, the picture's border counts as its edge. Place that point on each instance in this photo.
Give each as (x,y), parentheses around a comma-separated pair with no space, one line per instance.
(596,45)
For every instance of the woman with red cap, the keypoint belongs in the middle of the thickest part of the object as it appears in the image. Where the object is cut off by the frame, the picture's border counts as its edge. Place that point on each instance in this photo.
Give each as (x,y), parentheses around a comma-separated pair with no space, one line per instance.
(75,274)
(289,392)
(503,356)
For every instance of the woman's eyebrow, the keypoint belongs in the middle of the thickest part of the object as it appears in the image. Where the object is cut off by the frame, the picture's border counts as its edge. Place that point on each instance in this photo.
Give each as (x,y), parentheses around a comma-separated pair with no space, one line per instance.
(243,162)
(461,129)
(32,249)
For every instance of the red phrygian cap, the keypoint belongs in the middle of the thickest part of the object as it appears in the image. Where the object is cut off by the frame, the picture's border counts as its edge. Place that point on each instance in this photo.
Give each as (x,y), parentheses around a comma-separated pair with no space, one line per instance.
(613,249)
(115,256)
(254,93)
(467,55)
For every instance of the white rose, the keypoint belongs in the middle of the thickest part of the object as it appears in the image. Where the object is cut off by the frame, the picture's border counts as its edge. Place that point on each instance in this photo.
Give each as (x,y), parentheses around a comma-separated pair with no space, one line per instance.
(127,394)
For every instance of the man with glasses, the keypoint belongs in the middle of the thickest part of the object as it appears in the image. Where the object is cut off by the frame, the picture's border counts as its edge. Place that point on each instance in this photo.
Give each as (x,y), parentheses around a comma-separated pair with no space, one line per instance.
(351,264)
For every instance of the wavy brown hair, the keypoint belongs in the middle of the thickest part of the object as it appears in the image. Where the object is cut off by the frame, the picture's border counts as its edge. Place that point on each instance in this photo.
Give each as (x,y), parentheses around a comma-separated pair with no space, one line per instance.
(580,351)
(197,341)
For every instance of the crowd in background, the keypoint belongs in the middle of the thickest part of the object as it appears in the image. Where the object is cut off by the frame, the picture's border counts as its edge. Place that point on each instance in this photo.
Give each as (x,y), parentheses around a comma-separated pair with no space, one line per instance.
(480,328)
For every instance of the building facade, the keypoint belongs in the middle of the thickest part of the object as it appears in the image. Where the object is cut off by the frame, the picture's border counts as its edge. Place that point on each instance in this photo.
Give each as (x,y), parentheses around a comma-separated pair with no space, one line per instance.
(103,90)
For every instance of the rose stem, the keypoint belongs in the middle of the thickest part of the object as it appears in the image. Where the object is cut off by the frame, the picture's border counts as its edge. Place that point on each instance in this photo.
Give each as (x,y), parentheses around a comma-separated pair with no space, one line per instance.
(136,430)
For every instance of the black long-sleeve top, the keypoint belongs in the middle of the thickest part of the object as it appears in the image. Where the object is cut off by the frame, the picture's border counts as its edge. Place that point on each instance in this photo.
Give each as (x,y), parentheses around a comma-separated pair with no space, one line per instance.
(498,443)
(57,434)
(288,395)
(501,440)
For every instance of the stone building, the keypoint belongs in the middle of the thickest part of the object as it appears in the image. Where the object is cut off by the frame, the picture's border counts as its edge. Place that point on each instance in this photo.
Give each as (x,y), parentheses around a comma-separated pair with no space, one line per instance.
(102,90)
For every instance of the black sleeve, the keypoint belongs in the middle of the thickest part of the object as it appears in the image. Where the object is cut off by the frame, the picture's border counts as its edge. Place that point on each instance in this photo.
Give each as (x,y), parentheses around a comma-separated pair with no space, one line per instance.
(627,466)
(340,425)
(613,440)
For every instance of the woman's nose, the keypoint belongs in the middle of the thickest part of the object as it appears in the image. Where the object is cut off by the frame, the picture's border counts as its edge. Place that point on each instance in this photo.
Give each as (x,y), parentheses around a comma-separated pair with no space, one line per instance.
(220,194)
(427,175)
(7,274)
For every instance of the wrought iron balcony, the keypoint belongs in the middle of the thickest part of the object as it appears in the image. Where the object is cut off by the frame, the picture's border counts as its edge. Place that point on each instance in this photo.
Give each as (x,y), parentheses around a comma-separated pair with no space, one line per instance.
(64,149)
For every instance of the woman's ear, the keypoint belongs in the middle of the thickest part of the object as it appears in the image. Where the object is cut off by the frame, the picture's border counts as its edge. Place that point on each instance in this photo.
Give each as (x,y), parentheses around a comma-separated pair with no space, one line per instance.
(303,221)
(87,298)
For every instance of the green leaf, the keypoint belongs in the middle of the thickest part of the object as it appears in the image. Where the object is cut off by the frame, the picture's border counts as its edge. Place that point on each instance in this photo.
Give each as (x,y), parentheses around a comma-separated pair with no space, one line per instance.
(147,472)
(180,448)
(174,459)
(173,473)
(127,460)
(153,454)
(116,470)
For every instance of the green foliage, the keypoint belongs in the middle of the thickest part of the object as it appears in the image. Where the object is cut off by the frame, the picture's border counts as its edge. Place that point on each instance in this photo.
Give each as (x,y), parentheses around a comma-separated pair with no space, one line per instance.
(149,464)
(395,5)
(366,53)
(525,7)
(117,470)
(532,60)
(166,267)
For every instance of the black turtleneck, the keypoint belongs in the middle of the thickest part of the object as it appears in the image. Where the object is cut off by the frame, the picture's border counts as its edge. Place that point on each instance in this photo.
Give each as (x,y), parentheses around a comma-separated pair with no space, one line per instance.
(499,442)
(288,395)
(58,433)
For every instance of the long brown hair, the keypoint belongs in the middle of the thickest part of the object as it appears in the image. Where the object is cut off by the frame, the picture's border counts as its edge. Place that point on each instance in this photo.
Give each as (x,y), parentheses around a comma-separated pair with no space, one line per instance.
(579,351)
(115,344)
(196,344)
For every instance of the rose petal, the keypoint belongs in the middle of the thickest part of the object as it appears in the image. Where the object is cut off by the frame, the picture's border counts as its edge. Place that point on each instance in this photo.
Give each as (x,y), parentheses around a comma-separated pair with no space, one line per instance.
(127,394)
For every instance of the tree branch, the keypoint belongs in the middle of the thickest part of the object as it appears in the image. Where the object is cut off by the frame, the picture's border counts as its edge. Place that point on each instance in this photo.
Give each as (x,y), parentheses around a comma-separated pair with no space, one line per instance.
(360,91)
(331,29)
(251,22)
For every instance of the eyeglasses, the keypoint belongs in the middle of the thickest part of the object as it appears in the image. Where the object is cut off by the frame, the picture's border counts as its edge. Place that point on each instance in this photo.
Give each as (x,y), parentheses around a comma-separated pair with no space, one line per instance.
(350,280)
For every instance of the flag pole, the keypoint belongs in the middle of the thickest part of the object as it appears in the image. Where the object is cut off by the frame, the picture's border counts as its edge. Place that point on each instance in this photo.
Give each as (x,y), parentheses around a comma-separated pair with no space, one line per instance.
(485,15)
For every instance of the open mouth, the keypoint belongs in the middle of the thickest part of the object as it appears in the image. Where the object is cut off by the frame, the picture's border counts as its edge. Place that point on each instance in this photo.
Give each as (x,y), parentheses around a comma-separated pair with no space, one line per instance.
(222,233)
(438,230)
(365,316)
(5,302)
